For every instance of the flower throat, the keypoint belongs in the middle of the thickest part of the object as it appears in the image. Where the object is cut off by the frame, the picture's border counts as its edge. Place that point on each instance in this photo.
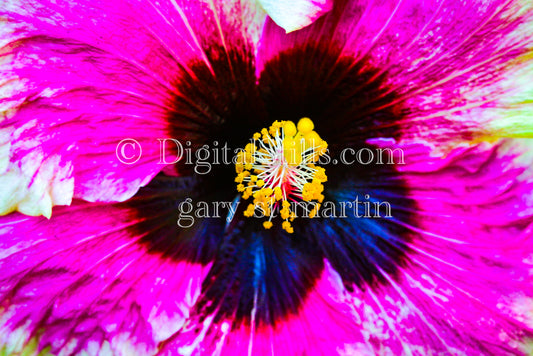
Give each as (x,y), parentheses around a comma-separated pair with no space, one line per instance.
(279,167)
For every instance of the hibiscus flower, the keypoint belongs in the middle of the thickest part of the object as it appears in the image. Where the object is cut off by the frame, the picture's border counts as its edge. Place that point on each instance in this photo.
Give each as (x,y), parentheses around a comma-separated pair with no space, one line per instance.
(93,258)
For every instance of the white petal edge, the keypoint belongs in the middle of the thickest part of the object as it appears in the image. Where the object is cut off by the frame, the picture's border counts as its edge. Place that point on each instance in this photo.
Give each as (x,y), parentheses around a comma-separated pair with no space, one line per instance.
(33,185)
(295,14)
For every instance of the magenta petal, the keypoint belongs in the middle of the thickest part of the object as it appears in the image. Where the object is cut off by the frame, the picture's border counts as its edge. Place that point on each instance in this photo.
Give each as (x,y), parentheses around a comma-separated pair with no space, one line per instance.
(100,278)
(80,97)
(85,83)
(411,36)
(81,282)
(323,326)
(445,59)
(468,279)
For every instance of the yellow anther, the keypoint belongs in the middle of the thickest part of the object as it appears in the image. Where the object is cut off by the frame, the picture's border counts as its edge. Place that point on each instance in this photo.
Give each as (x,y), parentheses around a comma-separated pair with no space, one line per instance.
(251,149)
(266,210)
(289,129)
(278,194)
(305,125)
(314,212)
(257,194)
(312,139)
(285,213)
(267,224)
(320,175)
(274,128)
(249,212)
(287,227)
(322,148)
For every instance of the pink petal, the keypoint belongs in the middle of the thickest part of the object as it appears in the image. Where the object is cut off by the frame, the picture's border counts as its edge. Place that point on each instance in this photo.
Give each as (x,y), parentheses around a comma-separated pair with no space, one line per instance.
(83,281)
(75,86)
(323,326)
(469,272)
(444,59)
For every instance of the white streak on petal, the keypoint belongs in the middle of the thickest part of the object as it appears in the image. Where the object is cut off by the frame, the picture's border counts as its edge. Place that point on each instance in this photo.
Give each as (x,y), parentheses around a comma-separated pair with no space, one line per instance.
(296,14)
(36,185)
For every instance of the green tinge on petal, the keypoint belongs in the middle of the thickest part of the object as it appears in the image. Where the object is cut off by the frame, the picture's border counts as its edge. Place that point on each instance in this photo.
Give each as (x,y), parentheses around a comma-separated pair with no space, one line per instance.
(527,348)
(31,349)
(515,122)
(23,347)
(514,115)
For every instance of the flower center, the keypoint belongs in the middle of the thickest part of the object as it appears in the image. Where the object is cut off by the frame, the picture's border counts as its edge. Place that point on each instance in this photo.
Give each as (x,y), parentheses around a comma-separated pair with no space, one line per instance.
(278,168)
